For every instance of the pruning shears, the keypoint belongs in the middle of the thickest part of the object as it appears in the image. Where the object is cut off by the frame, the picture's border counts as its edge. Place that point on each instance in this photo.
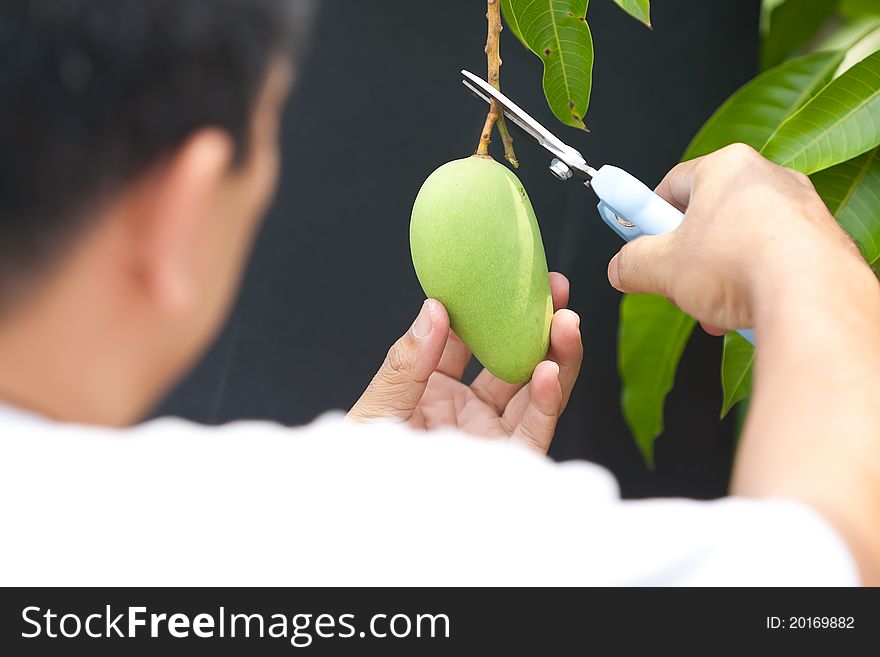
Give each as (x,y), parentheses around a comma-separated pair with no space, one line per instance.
(626,204)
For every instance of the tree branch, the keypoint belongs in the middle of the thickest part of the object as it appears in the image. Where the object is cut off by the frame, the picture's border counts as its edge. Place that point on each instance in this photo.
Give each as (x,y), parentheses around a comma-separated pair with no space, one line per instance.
(493,58)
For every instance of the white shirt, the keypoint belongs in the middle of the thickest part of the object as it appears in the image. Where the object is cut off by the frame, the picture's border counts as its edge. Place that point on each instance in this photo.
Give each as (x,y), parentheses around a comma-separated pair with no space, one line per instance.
(174,503)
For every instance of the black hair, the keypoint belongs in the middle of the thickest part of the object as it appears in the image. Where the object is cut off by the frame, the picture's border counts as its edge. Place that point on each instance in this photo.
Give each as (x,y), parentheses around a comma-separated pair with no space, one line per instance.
(95,92)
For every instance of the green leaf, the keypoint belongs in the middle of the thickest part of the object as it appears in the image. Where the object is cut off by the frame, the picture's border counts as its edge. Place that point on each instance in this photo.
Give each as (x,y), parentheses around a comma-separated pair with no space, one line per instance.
(512,21)
(736,371)
(847,35)
(865,46)
(767,7)
(653,334)
(638,9)
(790,26)
(854,9)
(852,193)
(859,38)
(752,114)
(557,32)
(839,123)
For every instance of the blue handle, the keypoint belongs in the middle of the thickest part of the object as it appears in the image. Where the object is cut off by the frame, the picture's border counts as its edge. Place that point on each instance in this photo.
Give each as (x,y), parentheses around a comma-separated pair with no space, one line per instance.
(631,210)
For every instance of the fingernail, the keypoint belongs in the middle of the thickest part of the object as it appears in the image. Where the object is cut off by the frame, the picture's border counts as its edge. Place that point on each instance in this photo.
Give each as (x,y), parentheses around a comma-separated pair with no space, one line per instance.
(424,322)
(613,272)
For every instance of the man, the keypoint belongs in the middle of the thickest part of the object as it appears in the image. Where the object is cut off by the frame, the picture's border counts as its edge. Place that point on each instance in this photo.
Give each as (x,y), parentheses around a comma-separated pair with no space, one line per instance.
(139,151)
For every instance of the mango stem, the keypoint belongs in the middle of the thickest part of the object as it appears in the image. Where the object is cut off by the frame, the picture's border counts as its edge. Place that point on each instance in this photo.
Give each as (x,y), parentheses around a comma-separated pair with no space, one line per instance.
(495,116)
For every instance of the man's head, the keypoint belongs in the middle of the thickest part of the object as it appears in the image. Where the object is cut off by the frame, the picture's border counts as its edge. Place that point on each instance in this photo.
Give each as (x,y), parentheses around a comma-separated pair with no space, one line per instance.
(138,150)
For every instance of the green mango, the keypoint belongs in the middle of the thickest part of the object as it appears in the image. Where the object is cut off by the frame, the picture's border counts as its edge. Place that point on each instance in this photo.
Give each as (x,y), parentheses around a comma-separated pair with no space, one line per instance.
(477,248)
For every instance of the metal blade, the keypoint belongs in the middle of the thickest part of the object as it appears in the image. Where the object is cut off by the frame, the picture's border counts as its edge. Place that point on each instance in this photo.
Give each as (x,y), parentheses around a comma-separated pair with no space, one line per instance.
(523,129)
(529,125)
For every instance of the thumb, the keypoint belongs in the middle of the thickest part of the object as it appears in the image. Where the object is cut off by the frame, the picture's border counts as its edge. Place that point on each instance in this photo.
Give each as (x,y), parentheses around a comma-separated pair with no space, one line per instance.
(398,386)
(641,266)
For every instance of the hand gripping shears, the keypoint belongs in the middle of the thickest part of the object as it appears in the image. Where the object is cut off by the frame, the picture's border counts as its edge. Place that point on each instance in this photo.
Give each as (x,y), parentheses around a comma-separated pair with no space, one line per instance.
(626,204)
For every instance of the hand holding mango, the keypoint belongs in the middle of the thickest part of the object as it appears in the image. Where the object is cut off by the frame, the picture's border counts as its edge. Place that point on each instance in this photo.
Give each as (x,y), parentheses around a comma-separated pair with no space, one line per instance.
(420,384)
(478,253)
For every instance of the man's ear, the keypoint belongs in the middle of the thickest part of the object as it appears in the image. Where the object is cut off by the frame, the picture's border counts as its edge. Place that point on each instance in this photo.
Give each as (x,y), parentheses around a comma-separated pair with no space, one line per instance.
(174,217)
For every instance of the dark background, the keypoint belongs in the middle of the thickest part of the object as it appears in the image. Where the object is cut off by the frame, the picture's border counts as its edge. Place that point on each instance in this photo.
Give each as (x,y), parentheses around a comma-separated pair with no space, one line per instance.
(378,107)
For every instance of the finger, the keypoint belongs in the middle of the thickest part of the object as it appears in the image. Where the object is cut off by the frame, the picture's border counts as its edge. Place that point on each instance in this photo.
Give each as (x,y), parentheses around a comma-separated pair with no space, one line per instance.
(566,350)
(559,290)
(677,186)
(493,391)
(399,384)
(713,330)
(455,358)
(641,266)
(538,423)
